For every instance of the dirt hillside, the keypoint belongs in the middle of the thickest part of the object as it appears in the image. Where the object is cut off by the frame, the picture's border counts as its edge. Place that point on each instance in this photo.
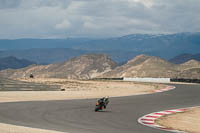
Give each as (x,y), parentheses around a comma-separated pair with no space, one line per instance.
(150,66)
(83,67)
(101,66)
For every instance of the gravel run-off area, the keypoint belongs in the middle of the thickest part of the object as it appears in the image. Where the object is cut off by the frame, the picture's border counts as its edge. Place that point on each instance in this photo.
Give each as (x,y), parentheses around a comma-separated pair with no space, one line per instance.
(188,121)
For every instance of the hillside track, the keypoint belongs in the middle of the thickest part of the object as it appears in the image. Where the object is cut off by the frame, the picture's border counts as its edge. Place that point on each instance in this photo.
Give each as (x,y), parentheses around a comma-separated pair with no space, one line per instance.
(78,116)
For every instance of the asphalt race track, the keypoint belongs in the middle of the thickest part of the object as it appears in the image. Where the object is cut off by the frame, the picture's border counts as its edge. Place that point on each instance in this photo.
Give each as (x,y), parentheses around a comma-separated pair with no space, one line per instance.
(78,116)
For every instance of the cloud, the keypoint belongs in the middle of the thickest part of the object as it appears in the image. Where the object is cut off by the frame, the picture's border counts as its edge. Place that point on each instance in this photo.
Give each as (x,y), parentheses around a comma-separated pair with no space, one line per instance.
(9,4)
(96,18)
(64,25)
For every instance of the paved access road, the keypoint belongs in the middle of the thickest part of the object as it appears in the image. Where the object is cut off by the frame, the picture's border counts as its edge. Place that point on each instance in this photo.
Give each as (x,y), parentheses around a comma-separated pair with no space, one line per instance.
(77,116)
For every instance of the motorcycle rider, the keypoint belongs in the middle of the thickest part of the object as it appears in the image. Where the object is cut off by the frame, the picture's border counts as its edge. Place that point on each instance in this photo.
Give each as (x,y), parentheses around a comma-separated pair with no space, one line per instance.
(104,101)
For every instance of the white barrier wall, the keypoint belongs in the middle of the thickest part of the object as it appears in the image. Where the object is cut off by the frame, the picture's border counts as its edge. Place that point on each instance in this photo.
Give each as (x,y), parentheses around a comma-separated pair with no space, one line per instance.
(157,80)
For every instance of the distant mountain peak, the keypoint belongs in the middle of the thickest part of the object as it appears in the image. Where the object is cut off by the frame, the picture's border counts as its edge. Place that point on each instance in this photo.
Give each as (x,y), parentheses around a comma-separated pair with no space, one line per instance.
(142,56)
(145,58)
(137,60)
(14,63)
(121,49)
(182,58)
(144,66)
(192,62)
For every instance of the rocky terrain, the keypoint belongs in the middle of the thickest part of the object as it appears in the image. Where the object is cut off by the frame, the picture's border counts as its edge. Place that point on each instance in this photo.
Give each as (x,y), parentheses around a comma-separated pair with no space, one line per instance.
(101,66)
(150,66)
(190,69)
(190,64)
(83,67)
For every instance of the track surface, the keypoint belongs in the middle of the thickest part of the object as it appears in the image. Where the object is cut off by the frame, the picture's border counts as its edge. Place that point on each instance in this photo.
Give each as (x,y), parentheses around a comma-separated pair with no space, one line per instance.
(77,116)
(14,85)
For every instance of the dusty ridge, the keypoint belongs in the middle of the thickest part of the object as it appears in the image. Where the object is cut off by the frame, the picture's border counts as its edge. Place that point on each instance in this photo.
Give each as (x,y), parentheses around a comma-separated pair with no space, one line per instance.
(190,65)
(83,67)
(150,66)
(101,66)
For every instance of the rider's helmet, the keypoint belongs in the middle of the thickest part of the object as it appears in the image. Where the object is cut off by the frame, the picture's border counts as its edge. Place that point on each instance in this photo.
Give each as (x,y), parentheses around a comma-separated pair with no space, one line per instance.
(106,97)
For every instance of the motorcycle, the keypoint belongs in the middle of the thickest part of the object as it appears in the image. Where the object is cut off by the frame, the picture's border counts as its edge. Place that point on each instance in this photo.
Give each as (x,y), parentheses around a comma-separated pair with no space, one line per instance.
(101,104)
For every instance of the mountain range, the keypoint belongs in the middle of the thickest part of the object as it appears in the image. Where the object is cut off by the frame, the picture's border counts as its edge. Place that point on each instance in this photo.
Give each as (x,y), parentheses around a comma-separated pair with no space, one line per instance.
(56,55)
(82,67)
(182,58)
(101,66)
(14,63)
(120,49)
(156,67)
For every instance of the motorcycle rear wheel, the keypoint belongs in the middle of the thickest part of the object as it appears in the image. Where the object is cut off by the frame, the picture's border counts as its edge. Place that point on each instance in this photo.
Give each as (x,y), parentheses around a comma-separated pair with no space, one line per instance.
(97,108)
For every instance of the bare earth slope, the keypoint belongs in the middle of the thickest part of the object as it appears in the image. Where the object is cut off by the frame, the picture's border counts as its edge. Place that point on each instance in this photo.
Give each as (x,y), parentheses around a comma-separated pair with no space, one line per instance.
(190,64)
(83,67)
(150,66)
(144,66)
(190,69)
(101,66)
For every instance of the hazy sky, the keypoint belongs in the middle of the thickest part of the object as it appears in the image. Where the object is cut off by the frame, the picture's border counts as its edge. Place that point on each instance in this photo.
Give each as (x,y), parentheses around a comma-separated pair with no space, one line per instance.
(96,18)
